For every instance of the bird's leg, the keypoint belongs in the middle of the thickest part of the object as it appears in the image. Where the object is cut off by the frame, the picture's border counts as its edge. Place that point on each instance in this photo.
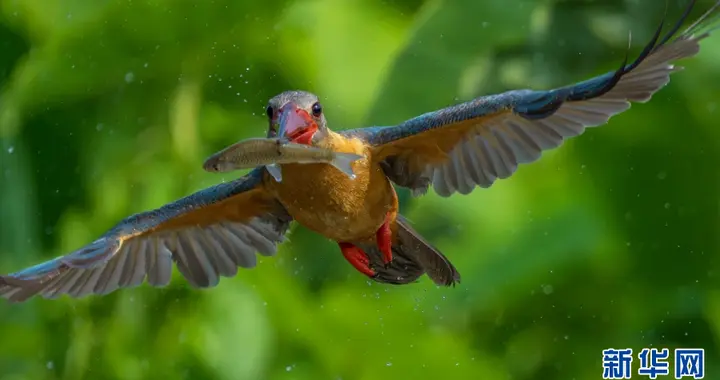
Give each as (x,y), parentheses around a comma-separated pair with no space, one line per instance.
(357,258)
(384,240)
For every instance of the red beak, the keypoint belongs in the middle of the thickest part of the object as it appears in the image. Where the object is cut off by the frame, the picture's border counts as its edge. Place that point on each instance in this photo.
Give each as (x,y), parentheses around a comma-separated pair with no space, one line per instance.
(296,124)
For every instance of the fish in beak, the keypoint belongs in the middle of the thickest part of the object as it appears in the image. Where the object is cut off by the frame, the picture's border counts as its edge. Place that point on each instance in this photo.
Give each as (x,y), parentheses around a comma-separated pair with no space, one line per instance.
(296,124)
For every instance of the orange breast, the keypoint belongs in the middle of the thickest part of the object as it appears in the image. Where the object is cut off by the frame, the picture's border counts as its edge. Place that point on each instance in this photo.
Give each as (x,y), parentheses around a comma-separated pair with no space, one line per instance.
(327,201)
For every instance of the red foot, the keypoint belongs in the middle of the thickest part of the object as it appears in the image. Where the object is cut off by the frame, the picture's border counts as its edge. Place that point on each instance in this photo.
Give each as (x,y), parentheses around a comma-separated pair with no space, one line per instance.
(357,258)
(384,240)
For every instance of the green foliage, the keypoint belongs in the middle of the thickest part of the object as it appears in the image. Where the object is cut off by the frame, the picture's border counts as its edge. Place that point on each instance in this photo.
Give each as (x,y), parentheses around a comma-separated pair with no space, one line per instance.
(108,108)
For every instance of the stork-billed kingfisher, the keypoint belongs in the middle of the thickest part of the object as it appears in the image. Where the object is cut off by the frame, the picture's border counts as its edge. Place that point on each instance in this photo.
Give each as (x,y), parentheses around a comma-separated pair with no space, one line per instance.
(211,233)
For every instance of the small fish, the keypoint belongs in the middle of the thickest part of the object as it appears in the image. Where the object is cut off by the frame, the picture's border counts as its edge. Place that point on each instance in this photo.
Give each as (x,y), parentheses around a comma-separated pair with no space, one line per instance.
(272,152)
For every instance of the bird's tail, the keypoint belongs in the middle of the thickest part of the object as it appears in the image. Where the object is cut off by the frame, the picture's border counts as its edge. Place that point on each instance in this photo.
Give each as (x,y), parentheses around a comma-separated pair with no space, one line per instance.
(412,257)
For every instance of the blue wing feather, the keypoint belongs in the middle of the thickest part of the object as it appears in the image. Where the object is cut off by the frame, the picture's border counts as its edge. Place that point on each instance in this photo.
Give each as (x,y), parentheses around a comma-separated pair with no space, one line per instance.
(528,103)
(152,219)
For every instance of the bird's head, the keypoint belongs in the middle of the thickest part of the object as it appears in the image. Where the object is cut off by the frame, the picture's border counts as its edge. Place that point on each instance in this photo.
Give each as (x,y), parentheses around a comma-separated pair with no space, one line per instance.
(297,116)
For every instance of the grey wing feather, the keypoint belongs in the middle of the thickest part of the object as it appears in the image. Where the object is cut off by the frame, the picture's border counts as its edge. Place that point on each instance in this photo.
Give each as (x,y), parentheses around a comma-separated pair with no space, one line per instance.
(124,258)
(515,127)
(413,256)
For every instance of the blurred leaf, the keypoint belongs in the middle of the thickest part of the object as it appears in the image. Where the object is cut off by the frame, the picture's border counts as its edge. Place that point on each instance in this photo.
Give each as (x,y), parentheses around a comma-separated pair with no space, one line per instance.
(564,239)
(117,47)
(245,328)
(436,54)
(17,203)
(346,45)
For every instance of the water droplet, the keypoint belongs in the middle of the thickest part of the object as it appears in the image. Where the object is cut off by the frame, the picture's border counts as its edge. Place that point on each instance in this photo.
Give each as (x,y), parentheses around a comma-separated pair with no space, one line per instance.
(11,149)
(50,365)
(388,364)
(99,127)
(662,175)
(547,289)
(289,368)
(145,65)
(667,205)
(129,77)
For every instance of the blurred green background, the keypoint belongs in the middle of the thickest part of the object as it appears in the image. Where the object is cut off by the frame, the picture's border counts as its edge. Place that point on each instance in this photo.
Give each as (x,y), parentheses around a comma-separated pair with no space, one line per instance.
(108,108)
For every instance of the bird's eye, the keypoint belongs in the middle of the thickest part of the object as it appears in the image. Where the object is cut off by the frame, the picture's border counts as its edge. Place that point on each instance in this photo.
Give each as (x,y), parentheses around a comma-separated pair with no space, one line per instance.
(316,109)
(269,111)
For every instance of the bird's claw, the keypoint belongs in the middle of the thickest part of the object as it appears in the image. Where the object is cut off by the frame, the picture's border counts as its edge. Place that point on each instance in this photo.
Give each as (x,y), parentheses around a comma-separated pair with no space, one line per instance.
(384,241)
(357,258)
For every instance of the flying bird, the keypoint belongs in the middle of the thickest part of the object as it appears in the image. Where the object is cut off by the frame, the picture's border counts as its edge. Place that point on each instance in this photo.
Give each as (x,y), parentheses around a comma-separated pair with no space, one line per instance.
(213,232)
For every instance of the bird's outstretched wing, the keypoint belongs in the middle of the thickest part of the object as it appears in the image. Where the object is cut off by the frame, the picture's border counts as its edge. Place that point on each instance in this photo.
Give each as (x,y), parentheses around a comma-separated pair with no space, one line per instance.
(207,234)
(474,143)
